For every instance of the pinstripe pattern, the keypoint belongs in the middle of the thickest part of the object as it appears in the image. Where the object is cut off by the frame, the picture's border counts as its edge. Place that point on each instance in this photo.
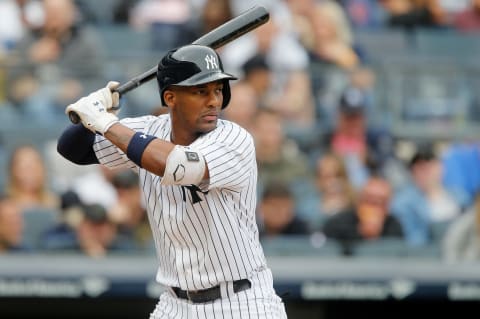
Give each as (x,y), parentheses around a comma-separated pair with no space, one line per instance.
(215,240)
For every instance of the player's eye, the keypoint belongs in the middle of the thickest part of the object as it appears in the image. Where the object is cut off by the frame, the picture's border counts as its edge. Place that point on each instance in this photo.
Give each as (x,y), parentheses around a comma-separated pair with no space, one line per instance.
(200,91)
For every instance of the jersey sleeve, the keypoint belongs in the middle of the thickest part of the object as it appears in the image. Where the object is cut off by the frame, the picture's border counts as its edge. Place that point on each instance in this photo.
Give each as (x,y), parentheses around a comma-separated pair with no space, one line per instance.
(229,154)
(110,155)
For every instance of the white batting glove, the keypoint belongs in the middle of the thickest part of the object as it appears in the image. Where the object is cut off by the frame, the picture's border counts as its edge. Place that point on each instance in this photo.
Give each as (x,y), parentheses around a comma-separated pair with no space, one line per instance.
(114,97)
(93,112)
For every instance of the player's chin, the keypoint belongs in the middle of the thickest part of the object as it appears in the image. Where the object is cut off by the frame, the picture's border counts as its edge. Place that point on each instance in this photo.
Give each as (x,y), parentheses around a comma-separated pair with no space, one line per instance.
(207,125)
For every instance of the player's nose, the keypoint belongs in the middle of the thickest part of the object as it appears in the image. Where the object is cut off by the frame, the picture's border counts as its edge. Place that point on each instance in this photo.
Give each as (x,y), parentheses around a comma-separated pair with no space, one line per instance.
(215,98)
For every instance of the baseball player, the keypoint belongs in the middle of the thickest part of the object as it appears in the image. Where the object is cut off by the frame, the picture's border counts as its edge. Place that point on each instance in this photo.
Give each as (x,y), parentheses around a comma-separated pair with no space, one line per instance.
(198,174)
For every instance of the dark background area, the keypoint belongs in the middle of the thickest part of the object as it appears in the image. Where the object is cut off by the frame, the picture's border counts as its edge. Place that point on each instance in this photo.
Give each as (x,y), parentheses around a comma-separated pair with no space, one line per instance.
(141,308)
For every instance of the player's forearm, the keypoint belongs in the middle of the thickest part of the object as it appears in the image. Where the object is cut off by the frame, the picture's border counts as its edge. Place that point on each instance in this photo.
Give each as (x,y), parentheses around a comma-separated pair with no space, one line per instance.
(154,155)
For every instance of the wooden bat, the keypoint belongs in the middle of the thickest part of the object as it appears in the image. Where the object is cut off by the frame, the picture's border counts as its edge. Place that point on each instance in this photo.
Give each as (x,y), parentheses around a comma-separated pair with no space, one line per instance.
(223,34)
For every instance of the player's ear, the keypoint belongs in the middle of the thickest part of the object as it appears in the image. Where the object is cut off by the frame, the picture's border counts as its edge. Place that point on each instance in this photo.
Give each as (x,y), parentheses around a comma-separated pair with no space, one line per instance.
(169,97)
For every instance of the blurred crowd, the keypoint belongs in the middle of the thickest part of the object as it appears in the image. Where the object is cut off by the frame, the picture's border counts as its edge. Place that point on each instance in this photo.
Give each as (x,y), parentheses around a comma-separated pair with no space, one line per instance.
(330,164)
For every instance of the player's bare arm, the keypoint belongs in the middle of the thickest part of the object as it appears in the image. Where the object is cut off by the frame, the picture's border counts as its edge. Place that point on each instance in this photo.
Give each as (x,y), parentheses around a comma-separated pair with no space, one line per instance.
(155,155)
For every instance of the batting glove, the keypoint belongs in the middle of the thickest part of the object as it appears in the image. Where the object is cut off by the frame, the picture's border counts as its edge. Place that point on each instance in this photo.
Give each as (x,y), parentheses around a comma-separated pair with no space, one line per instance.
(93,112)
(111,99)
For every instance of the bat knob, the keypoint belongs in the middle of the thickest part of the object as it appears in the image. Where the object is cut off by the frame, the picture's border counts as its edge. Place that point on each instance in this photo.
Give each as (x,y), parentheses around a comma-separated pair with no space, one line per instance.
(74,118)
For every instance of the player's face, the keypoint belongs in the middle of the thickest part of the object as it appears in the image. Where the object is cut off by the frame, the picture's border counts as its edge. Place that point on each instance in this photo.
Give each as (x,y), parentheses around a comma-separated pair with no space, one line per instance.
(196,108)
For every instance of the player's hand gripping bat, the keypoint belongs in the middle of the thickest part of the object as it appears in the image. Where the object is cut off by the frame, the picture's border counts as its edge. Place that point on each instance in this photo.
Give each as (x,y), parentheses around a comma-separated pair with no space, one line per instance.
(223,34)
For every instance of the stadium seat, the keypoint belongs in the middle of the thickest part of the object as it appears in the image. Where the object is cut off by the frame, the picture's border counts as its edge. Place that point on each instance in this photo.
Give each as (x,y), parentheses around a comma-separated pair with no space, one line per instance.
(13,134)
(446,43)
(125,41)
(386,247)
(438,230)
(429,251)
(374,45)
(300,246)
(98,12)
(427,89)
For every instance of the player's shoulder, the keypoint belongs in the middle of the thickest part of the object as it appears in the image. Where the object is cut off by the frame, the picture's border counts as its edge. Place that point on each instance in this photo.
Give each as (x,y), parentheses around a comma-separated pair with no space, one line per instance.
(223,123)
(229,135)
(138,119)
(145,121)
(229,128)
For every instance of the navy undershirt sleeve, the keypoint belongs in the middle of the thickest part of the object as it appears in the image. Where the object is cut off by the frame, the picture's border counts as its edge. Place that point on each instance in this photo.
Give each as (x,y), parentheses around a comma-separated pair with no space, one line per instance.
(76,145)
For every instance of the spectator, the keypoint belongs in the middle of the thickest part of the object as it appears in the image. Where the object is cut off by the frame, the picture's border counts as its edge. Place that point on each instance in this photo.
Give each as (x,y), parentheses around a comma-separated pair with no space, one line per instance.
(367,14)
(299,11)
(55,64)
(274,39)
(213,14)
(121,11)
(27,182)
(411,14)
(17,17)
(461,242)
(370,219)
(330,39)
(277,215)
(243,105)
(426,204)
(97,234)
(333,191)
(278,158)
(258,75)
(461,163)
(167,19)
(290,88)
(11,226)
(129,212)
(92,233)
(363,148)
(255,86)
(96,187)
(468,20)
(148,12)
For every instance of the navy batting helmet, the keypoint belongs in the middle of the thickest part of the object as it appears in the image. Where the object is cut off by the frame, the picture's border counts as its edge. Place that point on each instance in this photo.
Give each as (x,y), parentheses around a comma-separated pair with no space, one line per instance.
(192,65)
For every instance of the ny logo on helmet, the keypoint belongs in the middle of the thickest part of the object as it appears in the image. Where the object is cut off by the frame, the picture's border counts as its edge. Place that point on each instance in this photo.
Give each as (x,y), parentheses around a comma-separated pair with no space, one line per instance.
(211,61)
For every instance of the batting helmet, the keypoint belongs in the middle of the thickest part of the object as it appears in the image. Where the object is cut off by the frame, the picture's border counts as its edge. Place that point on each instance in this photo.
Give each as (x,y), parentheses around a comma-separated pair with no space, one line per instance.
(192,65)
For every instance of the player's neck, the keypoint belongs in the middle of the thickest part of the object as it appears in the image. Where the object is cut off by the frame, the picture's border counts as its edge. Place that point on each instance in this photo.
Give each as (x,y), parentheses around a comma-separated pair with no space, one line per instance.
(183,138)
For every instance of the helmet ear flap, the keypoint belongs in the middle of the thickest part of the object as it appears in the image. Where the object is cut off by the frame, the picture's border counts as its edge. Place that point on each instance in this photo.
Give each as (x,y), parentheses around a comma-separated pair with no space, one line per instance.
(162,91)
(226,92)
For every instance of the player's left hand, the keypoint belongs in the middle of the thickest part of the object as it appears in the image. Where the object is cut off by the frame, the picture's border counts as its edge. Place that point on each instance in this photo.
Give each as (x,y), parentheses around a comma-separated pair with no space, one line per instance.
(93,112)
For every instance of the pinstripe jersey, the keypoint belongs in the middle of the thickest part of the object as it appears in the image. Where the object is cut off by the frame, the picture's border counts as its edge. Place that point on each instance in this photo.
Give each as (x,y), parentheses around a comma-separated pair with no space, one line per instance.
(207,234)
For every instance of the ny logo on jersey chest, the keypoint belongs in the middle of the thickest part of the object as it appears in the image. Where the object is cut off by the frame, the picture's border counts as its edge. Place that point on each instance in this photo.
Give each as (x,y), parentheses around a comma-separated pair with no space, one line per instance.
(194,190)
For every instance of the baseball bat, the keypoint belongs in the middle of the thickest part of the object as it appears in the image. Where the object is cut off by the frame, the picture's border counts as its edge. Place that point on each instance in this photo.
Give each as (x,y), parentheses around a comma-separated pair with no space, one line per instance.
(221,35)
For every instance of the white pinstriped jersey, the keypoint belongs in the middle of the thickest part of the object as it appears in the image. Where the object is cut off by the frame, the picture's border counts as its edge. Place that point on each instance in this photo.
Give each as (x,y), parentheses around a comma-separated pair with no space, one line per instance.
(208,234)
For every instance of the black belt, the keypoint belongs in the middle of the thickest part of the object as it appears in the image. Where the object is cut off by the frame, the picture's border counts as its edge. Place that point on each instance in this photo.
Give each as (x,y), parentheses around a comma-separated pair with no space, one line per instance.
(210,294)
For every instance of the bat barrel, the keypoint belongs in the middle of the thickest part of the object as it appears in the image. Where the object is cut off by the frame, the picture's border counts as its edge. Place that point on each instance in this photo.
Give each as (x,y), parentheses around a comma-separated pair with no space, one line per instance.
(236,27)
